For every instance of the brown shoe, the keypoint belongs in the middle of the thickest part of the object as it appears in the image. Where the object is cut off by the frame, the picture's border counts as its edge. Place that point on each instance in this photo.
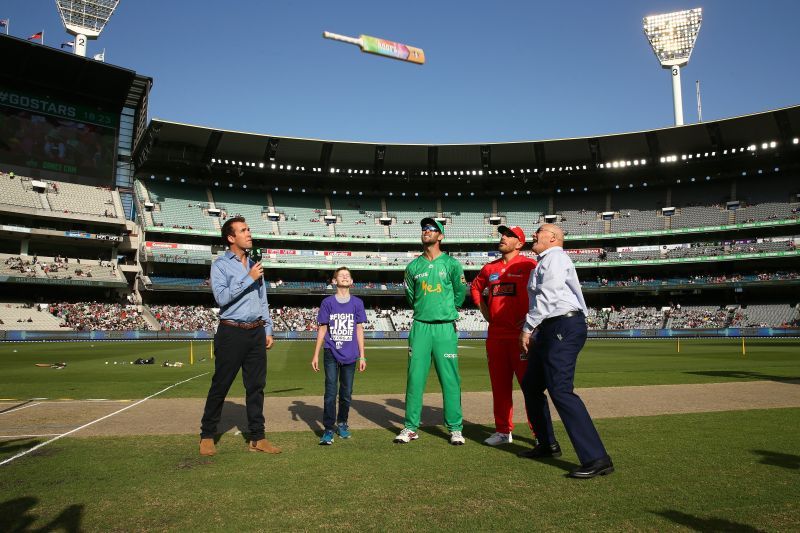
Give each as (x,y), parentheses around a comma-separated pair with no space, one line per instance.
(263,445)
(207,447)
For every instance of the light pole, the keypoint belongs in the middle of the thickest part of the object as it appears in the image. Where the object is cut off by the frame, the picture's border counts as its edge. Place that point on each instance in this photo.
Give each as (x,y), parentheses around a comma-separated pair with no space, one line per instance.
(85,19)
(672,36)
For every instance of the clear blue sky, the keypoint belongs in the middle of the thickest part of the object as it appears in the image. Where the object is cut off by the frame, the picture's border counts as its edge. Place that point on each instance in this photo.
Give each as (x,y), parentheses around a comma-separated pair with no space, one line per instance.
(495,71)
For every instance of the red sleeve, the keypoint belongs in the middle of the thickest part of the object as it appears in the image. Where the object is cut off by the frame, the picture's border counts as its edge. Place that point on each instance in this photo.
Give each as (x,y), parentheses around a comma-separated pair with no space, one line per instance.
(477,286)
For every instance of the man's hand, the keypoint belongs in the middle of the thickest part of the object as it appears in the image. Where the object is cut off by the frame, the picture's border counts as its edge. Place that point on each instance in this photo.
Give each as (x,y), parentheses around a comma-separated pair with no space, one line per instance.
(270,341)
(485,310)
(315,363)
(524,341)
(362,364)
(257,271)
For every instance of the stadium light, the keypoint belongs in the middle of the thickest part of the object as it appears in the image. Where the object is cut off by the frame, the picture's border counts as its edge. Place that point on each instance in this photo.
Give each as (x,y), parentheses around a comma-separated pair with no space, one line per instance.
(672,36)
(85,19)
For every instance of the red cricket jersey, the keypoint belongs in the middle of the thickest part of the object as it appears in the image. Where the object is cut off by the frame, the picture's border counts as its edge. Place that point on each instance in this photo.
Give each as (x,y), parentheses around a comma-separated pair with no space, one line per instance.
(507,296)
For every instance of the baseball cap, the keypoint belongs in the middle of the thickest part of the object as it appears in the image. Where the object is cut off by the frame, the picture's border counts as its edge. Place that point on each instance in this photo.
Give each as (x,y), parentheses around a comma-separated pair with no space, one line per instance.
(428,221)
(515,230)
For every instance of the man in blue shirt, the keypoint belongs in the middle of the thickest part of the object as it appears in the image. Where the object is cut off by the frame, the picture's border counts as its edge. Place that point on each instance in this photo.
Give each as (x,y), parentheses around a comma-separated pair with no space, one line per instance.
(553,335)
(244,332)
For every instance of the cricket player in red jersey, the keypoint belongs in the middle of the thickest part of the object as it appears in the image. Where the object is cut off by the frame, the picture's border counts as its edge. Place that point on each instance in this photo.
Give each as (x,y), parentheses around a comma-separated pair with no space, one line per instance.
(504,307)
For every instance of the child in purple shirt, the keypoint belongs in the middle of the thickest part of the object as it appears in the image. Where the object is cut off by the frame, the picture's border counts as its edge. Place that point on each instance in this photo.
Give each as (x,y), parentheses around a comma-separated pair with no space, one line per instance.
(341,332)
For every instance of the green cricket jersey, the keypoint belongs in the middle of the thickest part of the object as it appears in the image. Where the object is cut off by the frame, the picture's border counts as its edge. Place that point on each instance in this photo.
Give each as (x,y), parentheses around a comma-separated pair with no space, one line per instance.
(435,288)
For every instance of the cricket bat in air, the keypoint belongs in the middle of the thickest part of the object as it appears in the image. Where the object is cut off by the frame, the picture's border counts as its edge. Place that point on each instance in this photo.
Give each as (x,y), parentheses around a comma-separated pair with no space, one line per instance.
(382,47)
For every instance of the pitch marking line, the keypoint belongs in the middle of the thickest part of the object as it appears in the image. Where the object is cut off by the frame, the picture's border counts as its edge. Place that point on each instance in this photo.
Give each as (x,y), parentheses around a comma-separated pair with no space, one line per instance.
(21,408)
(27,436)
(62,435)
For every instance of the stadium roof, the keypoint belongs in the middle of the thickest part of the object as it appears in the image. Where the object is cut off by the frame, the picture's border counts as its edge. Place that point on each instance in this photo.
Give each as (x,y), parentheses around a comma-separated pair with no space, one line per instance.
(173,145)
(32,66)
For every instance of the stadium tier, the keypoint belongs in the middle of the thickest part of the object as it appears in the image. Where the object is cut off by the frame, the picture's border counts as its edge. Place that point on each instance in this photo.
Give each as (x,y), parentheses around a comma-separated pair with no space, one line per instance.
(92,316)
(286,214)
(180,207)
(58,196)
(160,252)
(55,268)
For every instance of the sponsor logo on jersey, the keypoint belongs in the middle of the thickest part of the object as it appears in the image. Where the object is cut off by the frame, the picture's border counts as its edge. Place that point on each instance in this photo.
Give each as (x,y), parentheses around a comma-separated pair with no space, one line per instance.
(504,289)
(494,277)
(422,275)
(428,288)
(450,356)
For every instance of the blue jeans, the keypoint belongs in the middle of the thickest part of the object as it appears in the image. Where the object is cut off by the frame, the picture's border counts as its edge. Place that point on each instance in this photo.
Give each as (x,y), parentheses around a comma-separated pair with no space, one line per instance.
(341,375)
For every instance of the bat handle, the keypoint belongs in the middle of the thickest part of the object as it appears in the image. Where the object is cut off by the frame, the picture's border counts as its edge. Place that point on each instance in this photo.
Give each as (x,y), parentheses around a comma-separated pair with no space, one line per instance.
(342,38)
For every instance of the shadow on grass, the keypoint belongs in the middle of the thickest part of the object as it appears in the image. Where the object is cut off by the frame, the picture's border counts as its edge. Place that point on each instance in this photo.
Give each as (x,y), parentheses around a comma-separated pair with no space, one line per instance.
(15,445)
(705,524)
(784,460)
(744,374)
(16,515)
(294,389)
(378,414)
(234,415)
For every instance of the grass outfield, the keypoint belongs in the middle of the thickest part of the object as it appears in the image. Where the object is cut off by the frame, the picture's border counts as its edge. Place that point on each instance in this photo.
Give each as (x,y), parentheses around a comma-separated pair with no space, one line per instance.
(707,472)
(602,363)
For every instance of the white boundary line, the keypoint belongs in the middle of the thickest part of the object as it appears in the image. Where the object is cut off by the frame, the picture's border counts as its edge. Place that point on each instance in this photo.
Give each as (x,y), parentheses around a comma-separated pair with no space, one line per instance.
(62,435)
(21,408)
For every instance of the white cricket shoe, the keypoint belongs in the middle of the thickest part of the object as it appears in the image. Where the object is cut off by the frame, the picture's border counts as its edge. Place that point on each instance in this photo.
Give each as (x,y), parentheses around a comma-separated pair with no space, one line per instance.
(499,438)
(456,438)
(406,436)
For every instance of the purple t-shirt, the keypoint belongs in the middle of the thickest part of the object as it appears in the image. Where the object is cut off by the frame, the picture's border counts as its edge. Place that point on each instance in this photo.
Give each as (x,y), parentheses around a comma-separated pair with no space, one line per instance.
(341,319)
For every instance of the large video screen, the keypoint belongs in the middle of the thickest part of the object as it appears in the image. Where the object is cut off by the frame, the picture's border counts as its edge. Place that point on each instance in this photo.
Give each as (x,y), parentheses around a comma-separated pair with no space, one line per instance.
(40,133)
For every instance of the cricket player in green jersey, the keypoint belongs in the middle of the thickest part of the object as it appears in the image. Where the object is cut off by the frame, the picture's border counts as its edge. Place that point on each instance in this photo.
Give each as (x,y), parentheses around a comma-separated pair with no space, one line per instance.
(435,286)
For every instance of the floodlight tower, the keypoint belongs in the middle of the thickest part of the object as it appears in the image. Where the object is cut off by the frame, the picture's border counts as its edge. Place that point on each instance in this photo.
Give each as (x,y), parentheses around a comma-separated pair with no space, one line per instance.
(672,36)
(85,19)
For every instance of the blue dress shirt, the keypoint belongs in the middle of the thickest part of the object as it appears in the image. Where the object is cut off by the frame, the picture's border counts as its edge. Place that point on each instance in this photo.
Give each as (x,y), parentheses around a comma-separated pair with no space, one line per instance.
(553,288)
(239,297)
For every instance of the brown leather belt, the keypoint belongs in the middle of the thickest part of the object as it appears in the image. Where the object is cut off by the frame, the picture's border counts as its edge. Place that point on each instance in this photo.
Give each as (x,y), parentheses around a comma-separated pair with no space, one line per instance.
(243,325)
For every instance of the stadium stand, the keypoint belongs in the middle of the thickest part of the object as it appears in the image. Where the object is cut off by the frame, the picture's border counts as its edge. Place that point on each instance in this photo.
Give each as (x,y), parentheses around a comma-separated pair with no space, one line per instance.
(378,321)
(59,196)
(301,214)
(471,320)
(30,317)
(180,206)
(16,191)
(467,218)
(407,212)
(58,268)
(358,218)
(402,319)
(91,316)
(523,212)
(71,198)
(769,315)
(699,316)
(185,318)
(294,318)
(252,205)
(635,318)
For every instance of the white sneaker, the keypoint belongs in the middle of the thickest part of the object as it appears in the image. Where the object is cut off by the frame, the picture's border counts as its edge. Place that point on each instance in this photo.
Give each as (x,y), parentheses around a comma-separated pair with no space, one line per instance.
(406,436)
(499,438)
(456,438)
